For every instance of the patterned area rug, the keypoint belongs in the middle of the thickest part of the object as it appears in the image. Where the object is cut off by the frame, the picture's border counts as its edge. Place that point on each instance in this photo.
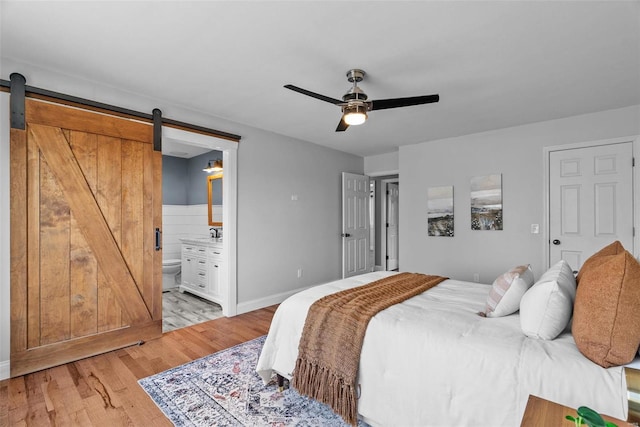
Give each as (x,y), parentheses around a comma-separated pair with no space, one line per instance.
(223,389)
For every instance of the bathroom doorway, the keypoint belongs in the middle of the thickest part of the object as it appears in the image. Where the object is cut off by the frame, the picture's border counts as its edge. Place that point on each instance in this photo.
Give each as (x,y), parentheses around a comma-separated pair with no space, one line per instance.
(185,215)
(384,199)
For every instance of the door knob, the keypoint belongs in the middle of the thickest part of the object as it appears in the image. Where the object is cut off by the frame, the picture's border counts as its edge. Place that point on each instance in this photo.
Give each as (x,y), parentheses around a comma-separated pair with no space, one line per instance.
(556,242)
(346,235)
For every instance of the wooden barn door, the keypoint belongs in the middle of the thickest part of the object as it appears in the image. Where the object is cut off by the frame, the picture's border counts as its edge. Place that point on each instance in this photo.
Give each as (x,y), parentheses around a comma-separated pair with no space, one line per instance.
(86,200)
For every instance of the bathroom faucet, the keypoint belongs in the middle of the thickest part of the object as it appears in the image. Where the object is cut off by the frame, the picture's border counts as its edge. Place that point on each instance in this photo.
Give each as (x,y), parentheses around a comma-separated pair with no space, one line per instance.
(214,232)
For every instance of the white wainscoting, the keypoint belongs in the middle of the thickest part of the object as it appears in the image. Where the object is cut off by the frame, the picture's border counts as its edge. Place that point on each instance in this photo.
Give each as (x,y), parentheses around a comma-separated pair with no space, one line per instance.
(180,221)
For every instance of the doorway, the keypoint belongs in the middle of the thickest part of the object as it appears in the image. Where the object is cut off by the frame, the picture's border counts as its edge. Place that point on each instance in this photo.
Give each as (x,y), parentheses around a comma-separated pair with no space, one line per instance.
(590,199)
(185,201)
(370,223)
(99,178)
(185,140)
(392,199)
(386,238)
(387,204)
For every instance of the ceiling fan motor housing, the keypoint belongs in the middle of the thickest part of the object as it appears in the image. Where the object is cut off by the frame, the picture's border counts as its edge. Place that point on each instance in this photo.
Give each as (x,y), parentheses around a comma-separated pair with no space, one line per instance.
(354,94)
(355,97)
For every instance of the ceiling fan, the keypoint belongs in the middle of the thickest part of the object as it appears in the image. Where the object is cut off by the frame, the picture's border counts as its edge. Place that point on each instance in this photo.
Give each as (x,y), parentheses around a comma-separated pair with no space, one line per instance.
(354,103)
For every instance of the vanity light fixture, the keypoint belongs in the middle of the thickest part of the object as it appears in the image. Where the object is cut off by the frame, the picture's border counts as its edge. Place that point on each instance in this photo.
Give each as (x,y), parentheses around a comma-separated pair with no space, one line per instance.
(355,114)
(216,167)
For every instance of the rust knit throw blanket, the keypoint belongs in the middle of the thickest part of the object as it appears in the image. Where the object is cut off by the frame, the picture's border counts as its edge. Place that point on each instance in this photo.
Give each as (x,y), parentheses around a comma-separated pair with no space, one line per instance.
(331,342)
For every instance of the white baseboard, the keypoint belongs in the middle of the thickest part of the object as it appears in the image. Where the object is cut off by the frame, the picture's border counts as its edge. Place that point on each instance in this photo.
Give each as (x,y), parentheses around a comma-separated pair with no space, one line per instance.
(245,307)
(4,370)
(378,268)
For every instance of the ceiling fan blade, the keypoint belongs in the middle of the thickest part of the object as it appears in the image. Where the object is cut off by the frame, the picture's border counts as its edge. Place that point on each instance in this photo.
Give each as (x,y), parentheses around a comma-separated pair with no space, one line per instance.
(342,126)
(313,94)
(383,104)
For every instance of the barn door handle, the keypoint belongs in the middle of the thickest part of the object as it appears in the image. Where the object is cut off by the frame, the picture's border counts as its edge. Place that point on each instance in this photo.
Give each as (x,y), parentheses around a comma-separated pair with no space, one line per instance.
(556,242)
(158,239)
(346,235)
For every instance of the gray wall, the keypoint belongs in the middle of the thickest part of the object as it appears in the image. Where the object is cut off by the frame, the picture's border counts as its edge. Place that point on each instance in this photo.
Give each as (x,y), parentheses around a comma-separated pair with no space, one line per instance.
(197,190)
(515,152)
(276,235)
(184,182)
(174,180)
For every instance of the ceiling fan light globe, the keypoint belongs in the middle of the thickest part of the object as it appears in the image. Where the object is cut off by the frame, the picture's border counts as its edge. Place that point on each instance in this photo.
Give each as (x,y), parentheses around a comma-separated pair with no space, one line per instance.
(355,118)
(355,114)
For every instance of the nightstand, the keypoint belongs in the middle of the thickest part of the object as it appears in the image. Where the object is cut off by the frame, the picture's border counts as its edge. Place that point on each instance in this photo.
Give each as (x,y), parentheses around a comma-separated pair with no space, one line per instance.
(541,412)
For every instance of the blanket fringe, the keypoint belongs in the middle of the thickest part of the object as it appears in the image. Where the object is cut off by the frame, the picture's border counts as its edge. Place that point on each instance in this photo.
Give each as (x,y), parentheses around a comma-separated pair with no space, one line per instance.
(323,385)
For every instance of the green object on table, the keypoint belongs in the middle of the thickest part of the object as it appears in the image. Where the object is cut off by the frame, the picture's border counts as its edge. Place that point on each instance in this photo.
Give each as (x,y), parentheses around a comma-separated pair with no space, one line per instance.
(589,417)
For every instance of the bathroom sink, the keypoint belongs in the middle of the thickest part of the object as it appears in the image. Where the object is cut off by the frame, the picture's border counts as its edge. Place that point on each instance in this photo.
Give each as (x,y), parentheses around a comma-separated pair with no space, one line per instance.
(205,240)
(208,239)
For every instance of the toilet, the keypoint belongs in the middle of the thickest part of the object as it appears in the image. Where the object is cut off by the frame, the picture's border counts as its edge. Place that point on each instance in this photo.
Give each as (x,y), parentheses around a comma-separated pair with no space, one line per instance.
(170,272)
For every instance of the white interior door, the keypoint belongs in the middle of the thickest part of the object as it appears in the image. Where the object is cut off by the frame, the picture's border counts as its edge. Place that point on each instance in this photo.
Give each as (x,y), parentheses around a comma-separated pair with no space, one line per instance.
(392,226)
(355,224)
(590,201)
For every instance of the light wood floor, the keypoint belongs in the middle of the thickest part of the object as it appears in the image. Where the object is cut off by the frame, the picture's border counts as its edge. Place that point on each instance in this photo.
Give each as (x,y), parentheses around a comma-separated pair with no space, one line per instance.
(103,390)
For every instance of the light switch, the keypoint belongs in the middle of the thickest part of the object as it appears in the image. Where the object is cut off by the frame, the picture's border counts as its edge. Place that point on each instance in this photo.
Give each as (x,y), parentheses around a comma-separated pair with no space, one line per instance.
(535,228)
(294,197)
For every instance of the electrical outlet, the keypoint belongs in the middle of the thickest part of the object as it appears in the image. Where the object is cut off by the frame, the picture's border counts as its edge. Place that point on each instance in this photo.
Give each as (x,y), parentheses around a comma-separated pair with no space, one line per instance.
(476,277)
(299,272)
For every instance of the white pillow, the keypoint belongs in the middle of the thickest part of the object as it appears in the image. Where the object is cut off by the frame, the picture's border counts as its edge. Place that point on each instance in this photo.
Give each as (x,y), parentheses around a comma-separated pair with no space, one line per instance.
(546,308)
(507,290)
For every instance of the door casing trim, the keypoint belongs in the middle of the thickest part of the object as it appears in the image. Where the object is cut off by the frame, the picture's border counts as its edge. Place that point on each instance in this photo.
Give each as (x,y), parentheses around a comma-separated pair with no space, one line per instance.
(383,220)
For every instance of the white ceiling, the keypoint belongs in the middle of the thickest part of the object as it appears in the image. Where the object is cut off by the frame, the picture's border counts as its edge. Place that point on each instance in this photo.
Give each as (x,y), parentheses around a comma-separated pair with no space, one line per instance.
(494,64)
(174,148)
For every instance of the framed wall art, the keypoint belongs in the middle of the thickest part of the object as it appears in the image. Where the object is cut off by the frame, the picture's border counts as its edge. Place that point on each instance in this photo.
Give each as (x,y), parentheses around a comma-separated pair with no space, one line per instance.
(440,211)
(486,202)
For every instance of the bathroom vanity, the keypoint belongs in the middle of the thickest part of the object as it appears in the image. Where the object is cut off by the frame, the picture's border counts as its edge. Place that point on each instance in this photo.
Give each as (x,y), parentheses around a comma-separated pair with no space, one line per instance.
(202,269)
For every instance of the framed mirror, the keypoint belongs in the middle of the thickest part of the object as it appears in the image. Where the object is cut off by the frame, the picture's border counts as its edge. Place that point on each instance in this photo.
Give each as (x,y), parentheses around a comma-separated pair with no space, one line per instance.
(214,196)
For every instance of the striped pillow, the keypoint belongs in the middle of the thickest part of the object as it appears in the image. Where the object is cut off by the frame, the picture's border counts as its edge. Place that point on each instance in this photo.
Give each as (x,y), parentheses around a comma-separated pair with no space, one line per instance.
(507,290)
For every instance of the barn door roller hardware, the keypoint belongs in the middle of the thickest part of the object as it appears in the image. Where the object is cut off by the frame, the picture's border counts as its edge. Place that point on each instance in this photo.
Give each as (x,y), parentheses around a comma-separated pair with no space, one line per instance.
(17,101)
(17,86)
(157,130)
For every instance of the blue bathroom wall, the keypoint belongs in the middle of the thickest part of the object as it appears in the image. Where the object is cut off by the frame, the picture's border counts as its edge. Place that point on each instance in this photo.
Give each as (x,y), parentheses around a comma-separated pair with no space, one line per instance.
(197,190)
(174,180)
(184,182)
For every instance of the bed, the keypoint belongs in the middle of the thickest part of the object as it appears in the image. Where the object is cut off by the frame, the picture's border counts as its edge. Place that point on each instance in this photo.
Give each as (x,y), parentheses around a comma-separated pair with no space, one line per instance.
(432,360)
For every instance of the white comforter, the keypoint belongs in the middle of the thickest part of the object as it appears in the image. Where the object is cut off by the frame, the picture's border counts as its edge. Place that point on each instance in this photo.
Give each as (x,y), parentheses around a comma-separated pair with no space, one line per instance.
(432,361)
